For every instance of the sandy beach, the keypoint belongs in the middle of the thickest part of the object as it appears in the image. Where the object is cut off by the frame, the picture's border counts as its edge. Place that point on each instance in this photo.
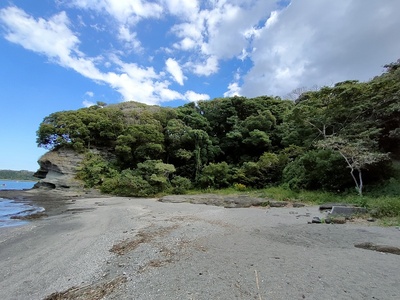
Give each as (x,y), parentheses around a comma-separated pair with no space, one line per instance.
(126,248)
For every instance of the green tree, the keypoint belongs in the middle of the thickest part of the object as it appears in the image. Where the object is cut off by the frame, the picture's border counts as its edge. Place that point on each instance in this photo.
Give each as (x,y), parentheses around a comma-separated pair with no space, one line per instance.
(358,155)
(215,176)
(138,143)
(317,169)
(266,171)
(94,169)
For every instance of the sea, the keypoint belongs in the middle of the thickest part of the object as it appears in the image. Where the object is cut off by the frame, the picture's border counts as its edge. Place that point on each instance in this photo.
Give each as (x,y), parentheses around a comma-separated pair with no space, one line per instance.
(10,208)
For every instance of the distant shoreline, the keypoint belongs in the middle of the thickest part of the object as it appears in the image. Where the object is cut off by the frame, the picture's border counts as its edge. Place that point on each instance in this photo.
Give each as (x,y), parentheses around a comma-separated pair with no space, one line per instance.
(25,180)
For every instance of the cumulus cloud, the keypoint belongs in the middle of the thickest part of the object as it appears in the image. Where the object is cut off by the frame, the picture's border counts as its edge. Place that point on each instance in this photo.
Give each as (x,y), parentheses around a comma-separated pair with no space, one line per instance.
(322,42)
(233,90)
(218,32)
(125,11)
(87,103)
(175,70)
(89,94)
(278,49)
(192,96)
(50,37)
(182,8)
(129,38)
(209,67)
(55,40)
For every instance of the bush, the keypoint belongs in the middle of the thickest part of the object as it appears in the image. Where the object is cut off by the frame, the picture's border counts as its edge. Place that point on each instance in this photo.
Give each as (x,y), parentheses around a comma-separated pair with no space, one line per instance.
(264,172)
(215,176)
(127,184)
(180,185)
(385,207)
(239,187)
(317,169)
(93,170)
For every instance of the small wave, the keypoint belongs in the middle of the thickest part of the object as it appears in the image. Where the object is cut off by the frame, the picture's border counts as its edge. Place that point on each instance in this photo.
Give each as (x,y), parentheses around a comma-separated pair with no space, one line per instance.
(13,213)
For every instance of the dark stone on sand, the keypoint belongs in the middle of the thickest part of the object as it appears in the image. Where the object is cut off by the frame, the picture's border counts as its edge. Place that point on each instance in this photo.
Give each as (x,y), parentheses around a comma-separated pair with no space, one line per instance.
(379,248)
(278,203)
(347,211)
(327,206)
(335,220)
(316,220)
(29,217)
(297,204)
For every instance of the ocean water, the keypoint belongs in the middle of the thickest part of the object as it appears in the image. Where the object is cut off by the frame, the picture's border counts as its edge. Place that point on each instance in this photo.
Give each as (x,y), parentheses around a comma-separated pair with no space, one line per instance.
(9,208)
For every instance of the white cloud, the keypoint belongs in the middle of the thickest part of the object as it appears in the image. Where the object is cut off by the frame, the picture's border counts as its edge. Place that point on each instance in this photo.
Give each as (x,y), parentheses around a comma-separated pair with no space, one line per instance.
(170,95)
(185,44)
(175,70)
(87,103)
(308,43)
(129,38)
(234,87)
(89,94)
(125,11)
(182,8)
(192,96)
(210,67)
(54,39)
(233,90)
(272,19)
(219,31)
(316,42)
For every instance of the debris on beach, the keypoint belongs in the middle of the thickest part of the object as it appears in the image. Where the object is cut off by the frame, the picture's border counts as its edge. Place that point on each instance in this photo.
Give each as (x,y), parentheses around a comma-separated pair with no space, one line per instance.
(379,248)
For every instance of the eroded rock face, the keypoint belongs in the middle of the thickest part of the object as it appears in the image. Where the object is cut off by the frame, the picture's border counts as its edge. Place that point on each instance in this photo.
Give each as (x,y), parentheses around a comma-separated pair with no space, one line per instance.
(58,170)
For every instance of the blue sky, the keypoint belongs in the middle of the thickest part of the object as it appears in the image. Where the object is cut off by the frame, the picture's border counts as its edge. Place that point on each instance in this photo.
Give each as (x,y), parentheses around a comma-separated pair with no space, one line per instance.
(67,54)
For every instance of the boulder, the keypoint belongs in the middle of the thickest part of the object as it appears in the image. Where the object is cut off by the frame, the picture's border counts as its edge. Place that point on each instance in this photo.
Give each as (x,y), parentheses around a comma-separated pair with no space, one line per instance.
(346,211)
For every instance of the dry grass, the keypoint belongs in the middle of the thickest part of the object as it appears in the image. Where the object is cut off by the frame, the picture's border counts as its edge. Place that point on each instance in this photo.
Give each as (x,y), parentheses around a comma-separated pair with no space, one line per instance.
(144,236)
(88,292)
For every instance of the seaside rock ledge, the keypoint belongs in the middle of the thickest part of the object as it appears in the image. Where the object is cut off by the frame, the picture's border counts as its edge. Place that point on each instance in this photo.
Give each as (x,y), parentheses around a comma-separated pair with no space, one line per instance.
(58,170)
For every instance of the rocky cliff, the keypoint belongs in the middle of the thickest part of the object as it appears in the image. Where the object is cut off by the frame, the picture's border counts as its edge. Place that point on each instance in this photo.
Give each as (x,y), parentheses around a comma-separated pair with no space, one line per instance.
(58,170)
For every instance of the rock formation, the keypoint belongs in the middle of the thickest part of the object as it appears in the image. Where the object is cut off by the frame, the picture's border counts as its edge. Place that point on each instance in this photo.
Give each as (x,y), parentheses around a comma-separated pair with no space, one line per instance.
(58,170)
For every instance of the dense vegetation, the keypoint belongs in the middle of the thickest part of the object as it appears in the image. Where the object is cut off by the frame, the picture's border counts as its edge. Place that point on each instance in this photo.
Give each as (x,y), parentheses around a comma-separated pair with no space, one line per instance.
(17,175)
(332,139)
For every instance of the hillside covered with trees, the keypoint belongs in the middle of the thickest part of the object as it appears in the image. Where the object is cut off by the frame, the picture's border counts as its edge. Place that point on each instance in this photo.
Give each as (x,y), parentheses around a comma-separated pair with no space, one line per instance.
(335,138)
(17,175)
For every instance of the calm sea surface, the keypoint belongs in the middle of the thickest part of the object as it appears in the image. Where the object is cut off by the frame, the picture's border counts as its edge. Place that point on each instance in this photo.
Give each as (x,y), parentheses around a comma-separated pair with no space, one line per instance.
(9,208)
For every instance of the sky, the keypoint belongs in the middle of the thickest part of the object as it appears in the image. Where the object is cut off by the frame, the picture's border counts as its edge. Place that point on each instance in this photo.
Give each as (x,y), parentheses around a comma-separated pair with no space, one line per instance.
(68,54)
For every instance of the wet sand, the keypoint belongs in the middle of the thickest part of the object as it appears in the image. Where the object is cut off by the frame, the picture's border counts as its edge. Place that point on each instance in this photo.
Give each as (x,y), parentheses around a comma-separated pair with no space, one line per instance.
(126,248)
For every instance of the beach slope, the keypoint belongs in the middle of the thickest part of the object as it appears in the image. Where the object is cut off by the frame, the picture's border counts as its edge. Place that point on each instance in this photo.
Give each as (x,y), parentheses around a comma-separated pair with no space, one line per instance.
(122,248)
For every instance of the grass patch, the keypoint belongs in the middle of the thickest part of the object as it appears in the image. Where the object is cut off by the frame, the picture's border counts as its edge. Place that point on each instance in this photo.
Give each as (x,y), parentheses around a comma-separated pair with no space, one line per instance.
(390,221)
(383,202)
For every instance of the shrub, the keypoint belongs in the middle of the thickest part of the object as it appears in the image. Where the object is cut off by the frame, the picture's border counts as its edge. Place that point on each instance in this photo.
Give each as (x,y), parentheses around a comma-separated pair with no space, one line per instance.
(317,169)
(239,187)
(385,207)
(180,184)
(127,184)
(266,171)
(93,170)
(215,176)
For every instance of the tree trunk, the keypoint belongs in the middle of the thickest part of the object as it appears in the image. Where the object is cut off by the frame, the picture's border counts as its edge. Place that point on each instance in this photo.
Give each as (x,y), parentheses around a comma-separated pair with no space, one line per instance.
(360,187)
(355,179)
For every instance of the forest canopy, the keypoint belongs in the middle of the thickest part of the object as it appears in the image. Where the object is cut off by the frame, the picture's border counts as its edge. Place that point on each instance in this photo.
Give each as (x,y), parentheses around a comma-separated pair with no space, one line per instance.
(333,138)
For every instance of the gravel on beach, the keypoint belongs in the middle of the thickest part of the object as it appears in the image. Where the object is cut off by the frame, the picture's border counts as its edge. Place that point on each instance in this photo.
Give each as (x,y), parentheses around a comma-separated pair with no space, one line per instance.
(128,248)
